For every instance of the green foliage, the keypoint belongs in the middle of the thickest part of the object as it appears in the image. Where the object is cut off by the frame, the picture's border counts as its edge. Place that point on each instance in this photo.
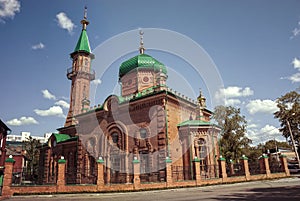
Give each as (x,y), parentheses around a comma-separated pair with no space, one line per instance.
(32,154)
(253,153)
(289,111)
(233,140)
(272,144)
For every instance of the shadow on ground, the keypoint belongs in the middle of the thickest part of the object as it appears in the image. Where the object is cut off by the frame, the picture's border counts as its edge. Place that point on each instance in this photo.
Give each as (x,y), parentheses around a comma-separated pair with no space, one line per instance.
(266,194)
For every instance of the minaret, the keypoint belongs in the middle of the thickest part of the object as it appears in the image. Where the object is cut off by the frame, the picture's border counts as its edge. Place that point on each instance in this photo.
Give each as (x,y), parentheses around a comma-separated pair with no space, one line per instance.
(80,74)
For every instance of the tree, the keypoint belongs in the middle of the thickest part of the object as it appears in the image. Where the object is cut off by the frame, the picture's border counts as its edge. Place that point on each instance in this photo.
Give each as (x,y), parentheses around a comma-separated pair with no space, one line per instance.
(32,154)
(233,140)
(289,114)
(272,145)
(253,153)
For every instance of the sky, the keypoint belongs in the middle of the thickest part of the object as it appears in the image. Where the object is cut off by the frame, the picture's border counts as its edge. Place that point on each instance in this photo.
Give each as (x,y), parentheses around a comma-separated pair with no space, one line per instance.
(249,50)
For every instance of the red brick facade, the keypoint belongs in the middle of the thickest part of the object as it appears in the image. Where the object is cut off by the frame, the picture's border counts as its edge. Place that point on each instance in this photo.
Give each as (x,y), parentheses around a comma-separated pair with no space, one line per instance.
(148,122)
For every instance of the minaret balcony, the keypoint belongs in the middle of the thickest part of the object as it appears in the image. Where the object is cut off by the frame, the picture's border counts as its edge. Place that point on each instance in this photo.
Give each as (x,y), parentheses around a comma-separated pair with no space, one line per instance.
(88,75)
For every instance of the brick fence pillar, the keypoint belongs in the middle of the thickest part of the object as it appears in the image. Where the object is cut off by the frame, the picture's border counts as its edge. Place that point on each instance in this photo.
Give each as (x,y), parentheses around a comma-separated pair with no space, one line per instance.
(197,170)
(7,180)
(284,165)
(61,174)
(264,165)
(222,167)
(245,167)
(169,178)
(100,172)
(136,173)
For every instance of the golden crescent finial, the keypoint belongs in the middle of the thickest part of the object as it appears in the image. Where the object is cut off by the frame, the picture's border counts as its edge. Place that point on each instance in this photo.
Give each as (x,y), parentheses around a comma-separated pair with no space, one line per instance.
(85,12)
(142,49)
(84,22)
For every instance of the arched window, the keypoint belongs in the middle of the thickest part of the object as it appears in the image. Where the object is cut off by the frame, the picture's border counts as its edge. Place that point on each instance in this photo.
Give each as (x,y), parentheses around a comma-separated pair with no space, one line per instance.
(202,154)
(115,137)
(202,149)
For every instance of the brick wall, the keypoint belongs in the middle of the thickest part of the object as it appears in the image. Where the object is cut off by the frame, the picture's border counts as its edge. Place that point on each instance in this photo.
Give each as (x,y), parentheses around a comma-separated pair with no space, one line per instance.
(61,187)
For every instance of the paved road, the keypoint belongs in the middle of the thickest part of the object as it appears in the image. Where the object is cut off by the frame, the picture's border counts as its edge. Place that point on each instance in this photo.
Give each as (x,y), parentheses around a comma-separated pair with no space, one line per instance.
(283,189)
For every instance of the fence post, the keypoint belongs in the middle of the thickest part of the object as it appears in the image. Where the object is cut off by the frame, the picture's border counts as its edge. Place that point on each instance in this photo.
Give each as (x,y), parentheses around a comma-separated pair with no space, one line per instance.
(169,178)
(61,174)
(100,172)
(245,167)
(136,173)
(222,167)
(197,170)
(264,165)
(7,180)
(284,165)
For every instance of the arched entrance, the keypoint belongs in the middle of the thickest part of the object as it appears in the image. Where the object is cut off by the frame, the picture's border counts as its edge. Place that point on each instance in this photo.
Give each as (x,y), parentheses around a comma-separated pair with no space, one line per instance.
(117,157)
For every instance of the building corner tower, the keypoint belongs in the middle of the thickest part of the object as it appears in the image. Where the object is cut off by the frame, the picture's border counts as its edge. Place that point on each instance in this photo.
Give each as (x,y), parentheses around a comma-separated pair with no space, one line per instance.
(80,74)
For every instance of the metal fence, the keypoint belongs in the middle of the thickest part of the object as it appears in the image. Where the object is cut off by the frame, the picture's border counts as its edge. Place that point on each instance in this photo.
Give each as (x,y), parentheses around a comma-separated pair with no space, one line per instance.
(275,165)
(254,168)
(235,169)
(209,171)
(25,176)
(180,173)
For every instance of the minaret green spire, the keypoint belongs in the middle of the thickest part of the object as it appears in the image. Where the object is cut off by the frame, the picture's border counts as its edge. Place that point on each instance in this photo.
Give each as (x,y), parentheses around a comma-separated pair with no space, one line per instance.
(83,41)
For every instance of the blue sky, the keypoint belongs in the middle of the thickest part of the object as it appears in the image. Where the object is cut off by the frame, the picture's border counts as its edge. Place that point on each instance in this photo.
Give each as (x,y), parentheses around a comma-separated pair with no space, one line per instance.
(255,46)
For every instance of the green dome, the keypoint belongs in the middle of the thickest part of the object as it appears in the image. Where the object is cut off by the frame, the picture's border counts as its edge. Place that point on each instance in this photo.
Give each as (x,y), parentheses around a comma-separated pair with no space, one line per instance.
(141,61)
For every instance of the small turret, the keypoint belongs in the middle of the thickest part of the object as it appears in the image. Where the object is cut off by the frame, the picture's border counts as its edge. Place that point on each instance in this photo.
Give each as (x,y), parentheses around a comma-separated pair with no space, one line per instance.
(201,100)
(201,105)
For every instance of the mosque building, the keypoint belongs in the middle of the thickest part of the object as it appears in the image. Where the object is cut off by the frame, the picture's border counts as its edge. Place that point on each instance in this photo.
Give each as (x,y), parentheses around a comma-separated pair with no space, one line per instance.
(148,122)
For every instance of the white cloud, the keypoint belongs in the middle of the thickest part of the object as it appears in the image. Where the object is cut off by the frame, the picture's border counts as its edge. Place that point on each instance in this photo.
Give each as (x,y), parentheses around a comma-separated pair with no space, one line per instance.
(251,126)
(52,111)
(38,46)
(8,8)
(295,77)
(261,106)
(269,130)
(230,95)
(261,135)
(234,92)
(48,95)
(96,81)
(62,103)
(64,22)
(296,63)
(295,32)
(232,102)
(251,133)
(22,121)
